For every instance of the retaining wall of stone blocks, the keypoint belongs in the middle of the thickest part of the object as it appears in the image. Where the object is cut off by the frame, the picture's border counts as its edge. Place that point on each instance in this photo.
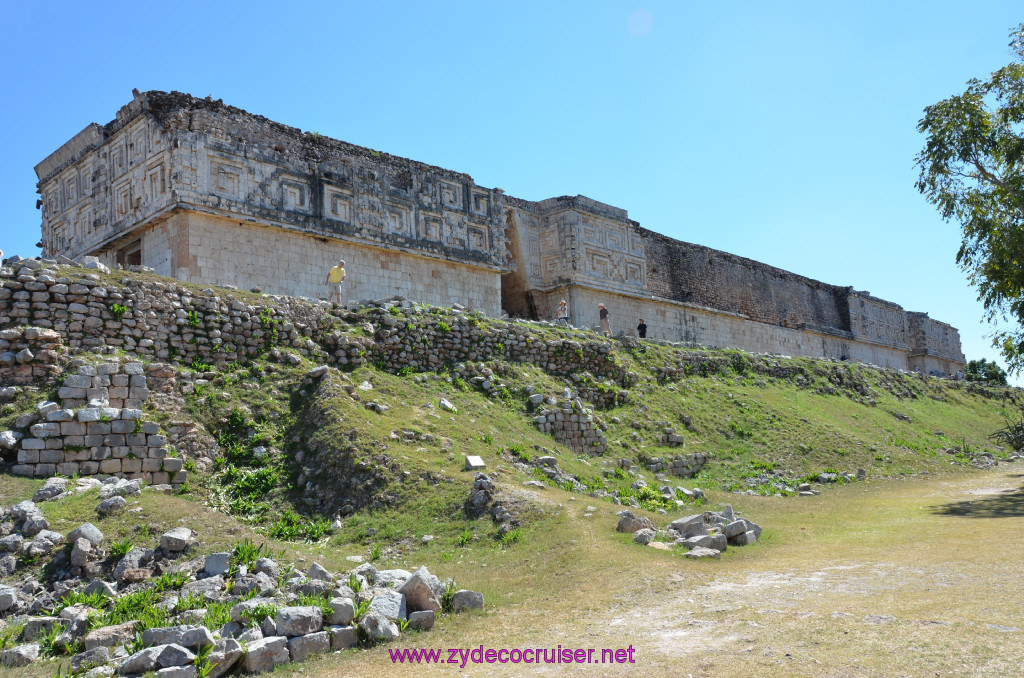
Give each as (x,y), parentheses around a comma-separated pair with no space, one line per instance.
(97,428)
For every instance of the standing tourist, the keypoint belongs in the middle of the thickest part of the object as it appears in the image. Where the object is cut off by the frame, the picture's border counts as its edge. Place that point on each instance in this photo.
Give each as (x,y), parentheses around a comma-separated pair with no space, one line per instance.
(603,312)
(335,278)
(562,314)
(641,329)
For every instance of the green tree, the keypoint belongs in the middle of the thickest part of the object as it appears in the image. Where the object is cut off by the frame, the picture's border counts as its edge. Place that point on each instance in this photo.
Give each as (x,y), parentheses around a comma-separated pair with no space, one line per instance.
(983,370)
(972,170)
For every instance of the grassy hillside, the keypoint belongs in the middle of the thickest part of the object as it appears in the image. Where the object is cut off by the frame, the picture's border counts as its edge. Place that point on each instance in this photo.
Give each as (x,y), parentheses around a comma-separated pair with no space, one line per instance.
(377,449)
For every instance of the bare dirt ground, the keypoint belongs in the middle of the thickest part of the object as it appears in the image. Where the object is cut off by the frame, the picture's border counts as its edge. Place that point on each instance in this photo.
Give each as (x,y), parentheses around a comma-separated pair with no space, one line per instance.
(919,577)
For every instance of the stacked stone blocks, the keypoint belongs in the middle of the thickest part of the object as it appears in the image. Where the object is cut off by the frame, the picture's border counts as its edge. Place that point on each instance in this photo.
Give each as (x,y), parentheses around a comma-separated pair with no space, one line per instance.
(98,429)
(571,423)
(686,466)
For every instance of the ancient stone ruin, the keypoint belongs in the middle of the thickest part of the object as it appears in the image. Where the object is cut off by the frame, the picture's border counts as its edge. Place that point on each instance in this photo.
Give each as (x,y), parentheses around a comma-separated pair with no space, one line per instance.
(205,192)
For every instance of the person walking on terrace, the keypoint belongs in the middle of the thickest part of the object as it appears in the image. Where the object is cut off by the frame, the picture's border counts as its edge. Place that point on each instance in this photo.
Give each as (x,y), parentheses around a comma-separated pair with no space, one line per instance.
(603,312)
(562,314)
(335,278)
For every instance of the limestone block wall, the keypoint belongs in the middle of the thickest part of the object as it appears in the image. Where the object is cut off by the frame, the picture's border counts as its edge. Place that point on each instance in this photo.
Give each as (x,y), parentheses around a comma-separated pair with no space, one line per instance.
(162,319)
(571,423)
(878,321)
(700,275)
(686,466)
(935,345)
(98,428)
(28,354)
(669,321)
(203,248)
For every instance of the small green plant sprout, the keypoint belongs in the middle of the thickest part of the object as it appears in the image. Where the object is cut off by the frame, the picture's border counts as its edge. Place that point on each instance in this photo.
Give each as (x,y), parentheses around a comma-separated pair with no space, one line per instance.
(135,644)
(361,609)
(511,537)
(246,553)
(487,438)
(194,320)
(48,641)
(199,365)
(170,580)
(217,615)
(257,614)
(319,601)
(192,601)
(464,538)
(120,548)
(448,597)
(118,311)
(375,552)
(204,665)
(403,625)
(355,583)
(8,635)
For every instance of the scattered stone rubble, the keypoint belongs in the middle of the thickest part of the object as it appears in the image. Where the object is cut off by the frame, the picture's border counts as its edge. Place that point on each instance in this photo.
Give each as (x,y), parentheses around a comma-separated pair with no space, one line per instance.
(780,484)
(269,624)
(483,498)
(704,535)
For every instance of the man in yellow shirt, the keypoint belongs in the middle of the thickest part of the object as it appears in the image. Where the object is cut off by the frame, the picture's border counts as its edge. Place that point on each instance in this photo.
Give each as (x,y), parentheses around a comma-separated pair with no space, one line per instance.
(335,277)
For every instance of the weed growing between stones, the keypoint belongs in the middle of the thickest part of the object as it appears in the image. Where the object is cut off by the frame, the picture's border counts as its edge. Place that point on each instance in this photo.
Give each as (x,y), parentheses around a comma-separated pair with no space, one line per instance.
(118,310)
(119,548)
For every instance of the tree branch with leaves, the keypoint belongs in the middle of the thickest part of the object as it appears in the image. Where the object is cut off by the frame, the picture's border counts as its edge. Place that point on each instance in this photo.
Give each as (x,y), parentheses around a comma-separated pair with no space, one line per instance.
(972,170)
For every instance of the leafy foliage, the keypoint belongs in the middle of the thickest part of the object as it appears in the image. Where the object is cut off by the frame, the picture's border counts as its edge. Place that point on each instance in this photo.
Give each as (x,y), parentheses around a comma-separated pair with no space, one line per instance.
(246,553)
(292,527)
(120,548)
(972,170)
(982,370)
(1011,435)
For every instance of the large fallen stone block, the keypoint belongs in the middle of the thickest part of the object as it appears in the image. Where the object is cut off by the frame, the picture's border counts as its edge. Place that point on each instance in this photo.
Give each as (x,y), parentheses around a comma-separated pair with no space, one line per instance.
(419,592)
(192,637)
(389,603)
(111,636)
(343,612)
(298,621)
(377,627)
(343,637)
(176,540)
(225,655)
(302,647)
(631,523)
(422,620)
(266,654)
(21,655)
(467,600)
(690,526)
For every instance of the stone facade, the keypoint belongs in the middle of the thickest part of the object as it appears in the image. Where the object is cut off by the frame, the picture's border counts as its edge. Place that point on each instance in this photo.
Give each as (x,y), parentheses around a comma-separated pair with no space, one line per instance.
(205,192)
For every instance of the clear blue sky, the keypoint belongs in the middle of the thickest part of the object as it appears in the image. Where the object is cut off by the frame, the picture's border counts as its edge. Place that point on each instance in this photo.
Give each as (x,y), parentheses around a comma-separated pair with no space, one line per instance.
(780,131)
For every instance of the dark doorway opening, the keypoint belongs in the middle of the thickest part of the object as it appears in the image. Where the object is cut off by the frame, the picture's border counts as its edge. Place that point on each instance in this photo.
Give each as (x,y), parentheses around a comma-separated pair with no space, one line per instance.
(130,254)
(516,301)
